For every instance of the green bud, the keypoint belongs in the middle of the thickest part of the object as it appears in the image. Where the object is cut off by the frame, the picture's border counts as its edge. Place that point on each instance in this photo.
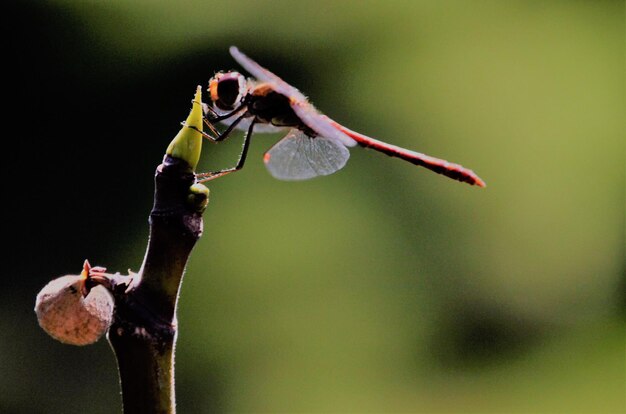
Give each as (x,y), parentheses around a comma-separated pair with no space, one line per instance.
(198,196)
(187,144)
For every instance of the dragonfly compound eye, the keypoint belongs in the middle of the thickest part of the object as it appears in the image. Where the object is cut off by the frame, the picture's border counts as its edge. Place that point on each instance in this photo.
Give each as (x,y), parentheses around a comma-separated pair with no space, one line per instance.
(227,90)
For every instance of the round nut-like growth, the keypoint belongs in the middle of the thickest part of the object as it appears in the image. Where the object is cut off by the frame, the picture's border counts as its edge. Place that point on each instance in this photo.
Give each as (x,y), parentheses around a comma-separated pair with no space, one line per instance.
(70,317)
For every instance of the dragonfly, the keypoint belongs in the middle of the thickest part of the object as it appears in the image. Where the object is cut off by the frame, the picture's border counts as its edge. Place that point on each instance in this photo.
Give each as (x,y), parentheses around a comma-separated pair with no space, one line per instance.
(315,145)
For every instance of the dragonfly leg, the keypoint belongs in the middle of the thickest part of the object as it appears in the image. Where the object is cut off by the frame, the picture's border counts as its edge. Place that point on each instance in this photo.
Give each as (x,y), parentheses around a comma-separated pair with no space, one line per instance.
(220,136)
(215,118)
(230,129)
(208,176)
(206,109)
(211,127)
(201,132)
(218,118)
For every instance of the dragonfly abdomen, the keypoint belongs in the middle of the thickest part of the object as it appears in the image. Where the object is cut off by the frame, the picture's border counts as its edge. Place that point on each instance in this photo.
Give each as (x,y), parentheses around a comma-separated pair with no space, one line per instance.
(450,170)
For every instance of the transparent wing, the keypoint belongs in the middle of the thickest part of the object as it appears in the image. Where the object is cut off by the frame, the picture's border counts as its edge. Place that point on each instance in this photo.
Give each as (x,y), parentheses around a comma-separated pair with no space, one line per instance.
(245,123)
(300,157)
(299,103)
(264,75)
(319,123)
(258,127)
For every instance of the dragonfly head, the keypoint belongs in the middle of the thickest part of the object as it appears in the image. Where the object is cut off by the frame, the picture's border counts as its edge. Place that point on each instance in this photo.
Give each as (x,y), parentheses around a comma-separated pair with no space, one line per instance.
(227,89)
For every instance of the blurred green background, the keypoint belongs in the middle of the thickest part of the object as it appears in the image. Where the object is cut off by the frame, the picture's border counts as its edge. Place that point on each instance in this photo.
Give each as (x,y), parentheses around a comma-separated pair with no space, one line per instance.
(381,288)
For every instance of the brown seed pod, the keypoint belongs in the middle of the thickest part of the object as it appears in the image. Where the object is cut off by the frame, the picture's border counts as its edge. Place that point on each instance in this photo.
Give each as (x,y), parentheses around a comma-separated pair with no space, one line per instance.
(71,313)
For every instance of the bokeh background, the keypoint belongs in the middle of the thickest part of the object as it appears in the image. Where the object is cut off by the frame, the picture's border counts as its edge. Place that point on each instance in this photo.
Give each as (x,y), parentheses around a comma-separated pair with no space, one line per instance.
(381,288)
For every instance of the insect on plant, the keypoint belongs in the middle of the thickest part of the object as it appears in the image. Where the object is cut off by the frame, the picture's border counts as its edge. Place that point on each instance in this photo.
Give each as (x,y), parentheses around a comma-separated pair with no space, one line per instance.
(315,144)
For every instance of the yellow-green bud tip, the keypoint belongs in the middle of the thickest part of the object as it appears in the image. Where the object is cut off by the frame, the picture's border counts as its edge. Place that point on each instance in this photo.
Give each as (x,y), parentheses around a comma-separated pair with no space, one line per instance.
(198,196)
(187,144)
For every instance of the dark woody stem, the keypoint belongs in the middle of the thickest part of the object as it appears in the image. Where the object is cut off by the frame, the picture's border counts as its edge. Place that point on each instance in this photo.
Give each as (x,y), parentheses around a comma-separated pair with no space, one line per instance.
(144,329)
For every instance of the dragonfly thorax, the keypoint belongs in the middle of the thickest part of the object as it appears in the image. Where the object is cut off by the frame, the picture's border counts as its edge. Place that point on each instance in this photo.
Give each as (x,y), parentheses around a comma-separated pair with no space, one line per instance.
(271,107)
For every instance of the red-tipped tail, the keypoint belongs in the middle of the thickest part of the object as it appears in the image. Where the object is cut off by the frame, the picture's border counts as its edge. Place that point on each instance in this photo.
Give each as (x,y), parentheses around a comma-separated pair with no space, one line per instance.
(454,171)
